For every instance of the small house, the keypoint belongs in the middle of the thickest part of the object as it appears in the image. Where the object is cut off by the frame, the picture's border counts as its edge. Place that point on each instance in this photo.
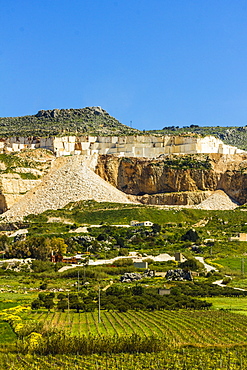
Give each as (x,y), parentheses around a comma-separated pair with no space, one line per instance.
(141,265)
(179,257)
(242,237)
(164,291)
(141,223)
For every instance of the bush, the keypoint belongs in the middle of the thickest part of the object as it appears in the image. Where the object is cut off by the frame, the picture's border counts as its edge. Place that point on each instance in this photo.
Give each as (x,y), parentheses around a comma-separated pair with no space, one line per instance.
(123,262)
(191,264)
(226,280)
(41,266)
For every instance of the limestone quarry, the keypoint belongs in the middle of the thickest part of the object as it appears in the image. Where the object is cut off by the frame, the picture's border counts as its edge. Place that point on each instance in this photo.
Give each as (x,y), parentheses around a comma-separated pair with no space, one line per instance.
(147,146)
(181,171)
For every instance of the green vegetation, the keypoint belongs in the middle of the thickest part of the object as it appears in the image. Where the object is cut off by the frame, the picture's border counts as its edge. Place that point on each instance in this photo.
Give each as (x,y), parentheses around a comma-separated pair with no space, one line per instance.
(131,332)
(189,231)
(16,160)
(182,329)
(96,121)
(89,120)
(230,264)
(26,163)
(233,304)
(236,136)
(91,212)
(7,334)
(29,176)
(186,162)
(234,358)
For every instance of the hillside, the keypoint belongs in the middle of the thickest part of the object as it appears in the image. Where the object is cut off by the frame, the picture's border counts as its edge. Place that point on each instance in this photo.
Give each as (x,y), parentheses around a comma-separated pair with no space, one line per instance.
(236,136)
(56,122)
(33,181)
(96,121)
(70,179)
(176,179)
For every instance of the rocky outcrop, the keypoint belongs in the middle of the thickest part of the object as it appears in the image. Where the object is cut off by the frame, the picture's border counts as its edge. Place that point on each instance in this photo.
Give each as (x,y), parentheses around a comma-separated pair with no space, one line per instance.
(13,188)
(169,180)
(20,172)
(179,198)
(179,275)
(177,179)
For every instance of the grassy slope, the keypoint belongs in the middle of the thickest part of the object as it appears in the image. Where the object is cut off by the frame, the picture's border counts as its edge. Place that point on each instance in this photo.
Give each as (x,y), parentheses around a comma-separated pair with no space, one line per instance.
(229,303)
(64,122)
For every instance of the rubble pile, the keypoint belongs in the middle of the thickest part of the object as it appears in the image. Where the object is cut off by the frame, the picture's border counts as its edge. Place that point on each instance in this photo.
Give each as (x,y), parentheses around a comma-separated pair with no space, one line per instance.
(128,277)
(179,275)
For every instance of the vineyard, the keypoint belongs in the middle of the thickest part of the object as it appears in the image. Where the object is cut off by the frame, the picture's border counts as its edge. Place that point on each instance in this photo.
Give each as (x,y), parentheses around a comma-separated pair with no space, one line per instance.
(176,328)
(182,359)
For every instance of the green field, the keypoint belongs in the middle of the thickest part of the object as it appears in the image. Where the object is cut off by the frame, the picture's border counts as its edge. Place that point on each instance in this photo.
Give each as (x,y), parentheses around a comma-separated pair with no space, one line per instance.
(189,340)
(233,264)
(235,304)
(234,358)
(7,334)
(176,328)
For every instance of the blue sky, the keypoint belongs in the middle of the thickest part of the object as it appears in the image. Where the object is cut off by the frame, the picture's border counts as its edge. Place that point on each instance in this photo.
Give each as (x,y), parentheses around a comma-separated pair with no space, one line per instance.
(154,63)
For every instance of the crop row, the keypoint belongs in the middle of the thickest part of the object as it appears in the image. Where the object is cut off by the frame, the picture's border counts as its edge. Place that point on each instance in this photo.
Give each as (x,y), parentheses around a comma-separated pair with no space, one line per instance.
(234,358)
(177,327)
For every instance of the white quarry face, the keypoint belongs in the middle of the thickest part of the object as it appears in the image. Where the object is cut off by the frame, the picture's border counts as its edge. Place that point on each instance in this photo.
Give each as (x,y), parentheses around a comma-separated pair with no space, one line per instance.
(128,146)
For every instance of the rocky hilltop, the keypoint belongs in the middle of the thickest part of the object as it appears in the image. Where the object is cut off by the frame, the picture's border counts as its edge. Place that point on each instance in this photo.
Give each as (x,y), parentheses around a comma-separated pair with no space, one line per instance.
(85,121)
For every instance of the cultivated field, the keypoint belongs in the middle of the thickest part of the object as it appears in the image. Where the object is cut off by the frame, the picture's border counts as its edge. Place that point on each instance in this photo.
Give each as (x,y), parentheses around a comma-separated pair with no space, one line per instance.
(176,328)
(234,358)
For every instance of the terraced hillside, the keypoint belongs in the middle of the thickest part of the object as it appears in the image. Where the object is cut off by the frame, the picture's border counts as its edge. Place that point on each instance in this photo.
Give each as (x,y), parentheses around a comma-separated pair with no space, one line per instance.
(96,121)
(236,136)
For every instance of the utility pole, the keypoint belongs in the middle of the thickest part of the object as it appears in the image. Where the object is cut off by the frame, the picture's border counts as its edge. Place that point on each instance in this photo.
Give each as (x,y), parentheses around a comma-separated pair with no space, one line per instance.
(68,311)
(99,318)
(242,266)
(78,282)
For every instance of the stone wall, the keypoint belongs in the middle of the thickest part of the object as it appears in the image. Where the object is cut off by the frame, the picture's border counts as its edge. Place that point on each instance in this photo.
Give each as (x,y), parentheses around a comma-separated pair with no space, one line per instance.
(128,146)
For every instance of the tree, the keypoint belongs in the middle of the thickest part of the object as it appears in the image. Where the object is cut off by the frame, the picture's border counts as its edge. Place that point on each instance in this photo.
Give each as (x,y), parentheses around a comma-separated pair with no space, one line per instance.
(137,290)
(62,305)
(39,247)
(120,241)
(75,303)
(49,303)
(61,296)
(58,246)
(156,228)
(190,235)
(123,252)
(4,242)
(35,305)
(41,266)
(42,297)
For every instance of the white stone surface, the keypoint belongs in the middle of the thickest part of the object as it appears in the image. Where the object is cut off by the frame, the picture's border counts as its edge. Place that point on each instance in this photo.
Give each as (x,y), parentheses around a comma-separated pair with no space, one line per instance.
(137,146)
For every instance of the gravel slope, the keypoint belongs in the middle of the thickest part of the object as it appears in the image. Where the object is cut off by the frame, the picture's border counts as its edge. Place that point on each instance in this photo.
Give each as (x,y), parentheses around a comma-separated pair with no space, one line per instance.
(69,180)
(219,200)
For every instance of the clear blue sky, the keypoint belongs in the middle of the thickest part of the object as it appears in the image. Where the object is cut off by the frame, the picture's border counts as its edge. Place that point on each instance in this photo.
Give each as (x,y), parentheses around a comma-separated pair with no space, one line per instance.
(152,62)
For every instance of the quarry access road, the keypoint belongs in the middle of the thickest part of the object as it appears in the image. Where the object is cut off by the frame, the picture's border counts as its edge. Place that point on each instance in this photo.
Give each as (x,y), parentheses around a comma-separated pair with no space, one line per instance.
(207,267)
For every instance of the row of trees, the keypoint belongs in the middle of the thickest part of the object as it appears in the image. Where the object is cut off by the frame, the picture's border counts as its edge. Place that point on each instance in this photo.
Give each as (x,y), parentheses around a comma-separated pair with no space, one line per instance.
(204,289)
(38,247)
(121,299)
